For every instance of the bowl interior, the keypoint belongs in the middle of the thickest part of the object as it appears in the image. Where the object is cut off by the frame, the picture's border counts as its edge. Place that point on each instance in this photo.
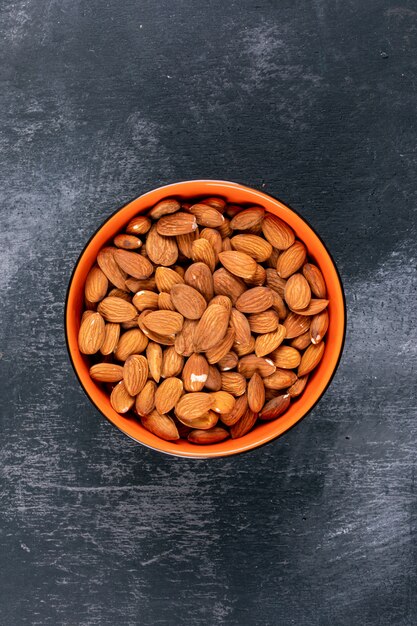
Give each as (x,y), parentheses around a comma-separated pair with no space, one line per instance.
(236,194)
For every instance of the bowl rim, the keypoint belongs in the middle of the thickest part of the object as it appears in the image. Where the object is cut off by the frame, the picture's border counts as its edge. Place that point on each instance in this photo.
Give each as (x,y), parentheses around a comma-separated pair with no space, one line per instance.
(255,444)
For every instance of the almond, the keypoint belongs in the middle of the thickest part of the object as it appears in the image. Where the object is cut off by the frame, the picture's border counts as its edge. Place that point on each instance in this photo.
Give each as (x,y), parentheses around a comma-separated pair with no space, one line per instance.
(168,394)
(161,250)
(228,362)
(244,425)
(139,225)
(131,342)
(211,328)
(255,300)
(216,202)
(259,277)
(226,244)
(116,310)
(297,292)
(166,278)
(133,264)
(315,306)
(318,327)
(265,322)
(91,334)
(188,301)
(120,399)
(241,405)
(204,422)
(127,242)
(145,300)
(177,224)
(238,263)
(110,268)
(272,261)
(233,383)
(298,387)
(286,357)
(214,379)
(135,373)
(111,338)
(120,293)
(215,240)
(206,215)
(243,220)
(184,340)
(164,322)
(165,302)
(202,250)
(164,207)
(193,405)
(242,349)
(291,260)
(198,275)
(133,323)
(145,400)
(302,341)
(251,363)
(275,282)
(315,280)
(278,305)
(218,351)
(267,343)
(223,300)
(195,372)
(223,402)
(96,284)
(86,314)
(275,407)
(240,325)
(296,325)
(135,285)
(254,246)
(154,356)
(162,426)
(311,358)
(106,372)
(256,393)
(185,243)
(214,435)
(172,363)
(228,285)
(277,232)
(280,379)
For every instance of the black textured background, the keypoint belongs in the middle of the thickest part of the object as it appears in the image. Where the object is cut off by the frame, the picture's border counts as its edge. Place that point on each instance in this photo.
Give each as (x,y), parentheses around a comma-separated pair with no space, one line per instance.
(314,102)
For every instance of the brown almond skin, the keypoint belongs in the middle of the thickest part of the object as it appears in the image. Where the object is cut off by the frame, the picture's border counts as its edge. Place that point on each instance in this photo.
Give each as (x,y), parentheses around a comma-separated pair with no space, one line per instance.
(238,263)
(240,324)
(298,387)
(145,400)
(243,349)
(286,357)
(259,277)
(131,342)
(172,363)
(275,282)
(211,328)
(139,225)
(297,292)
(168,394)
(127,242)
(91,334)
(302,341)
(188,301)
(215,240)
(222,402)
(204,422)
(164,322)
(154,356)
(316,306)
(108,265)
(135,285)
(277,232)
(166,278)
(116,310)
(311,358)
(184,340)
(135,373)
(185,243)
(255,300)
(193,405)
(225,284)
(244,425)
(247,218)
(111,338)
(223,300)
(218,351)
(318,327)
(177,224)
(195,373)
(161,250)
(265,322)
(291,260)
(267,343)
(280,379)
(228,362)
(120,399)
(96,284)
(162,426)
(164,207)
(241,405)
(275,407)
(165,302)
(256,393)
(207,216)
(203,252)
(296,325)
(315,280)
(145,300)
(214,435)
(250,364)
(214,379)
(133,264)
(106,372)
(215,202)
(199,276)
(233,383)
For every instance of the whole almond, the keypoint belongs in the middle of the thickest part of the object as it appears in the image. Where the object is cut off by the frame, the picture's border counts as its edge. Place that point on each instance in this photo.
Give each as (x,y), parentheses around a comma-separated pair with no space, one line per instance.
(202,251)
(223,402)
(242,349)
(91,334)
(251,363)
(162,426)
(199,276)
(172,363)
(165,302)
(139,225)
(131,342)
(297,292)
(211,328)
(111,338)
(166,278)
(241,405)
(233,383)
(206,215)
(318,327)
(120,399)
(177,224)
(265,322)
(116,310)
(195,372)
(204,422)
(243,220)
(168,394)
(275,407)
(135,285)
(216,202)
(296,325)
(277,232)
(228,285)
(316,306)
(145,400)
(256,393)
(267,343)
(110,268)
(302,341)
(193,405)
(154,356)
(161,250)
(96,284)
(219,350)
(286,357)
(223,300)
(275,282)
(120,293)
(184,340)
(280,379)
(291,260)
(127,242)
(315,280)
(228,362)
(298,387)
(214,379)
(238,263)
(133,264)
(185,243)
(188,301)
(106,372)
(254,246)
(311,358)
(145,300)
(240,324)
(164,207)
(213,435)
(255,300)
(164,322)
(135,373)
(215,240)
(244,425)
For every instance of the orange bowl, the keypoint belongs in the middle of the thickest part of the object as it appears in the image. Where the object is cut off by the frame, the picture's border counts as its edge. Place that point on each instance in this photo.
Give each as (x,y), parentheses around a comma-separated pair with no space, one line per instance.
(319,380)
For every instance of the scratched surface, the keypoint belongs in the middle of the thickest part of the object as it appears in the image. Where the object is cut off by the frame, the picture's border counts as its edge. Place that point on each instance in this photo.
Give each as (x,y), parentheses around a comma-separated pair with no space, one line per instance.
(314,102)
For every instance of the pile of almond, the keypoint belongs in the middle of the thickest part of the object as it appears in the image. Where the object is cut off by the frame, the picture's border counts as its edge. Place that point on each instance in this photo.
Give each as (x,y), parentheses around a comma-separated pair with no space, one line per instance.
(204,317)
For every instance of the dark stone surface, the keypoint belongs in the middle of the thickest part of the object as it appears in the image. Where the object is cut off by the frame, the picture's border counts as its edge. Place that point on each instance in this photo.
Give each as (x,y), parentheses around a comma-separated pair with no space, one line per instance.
(312,102)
